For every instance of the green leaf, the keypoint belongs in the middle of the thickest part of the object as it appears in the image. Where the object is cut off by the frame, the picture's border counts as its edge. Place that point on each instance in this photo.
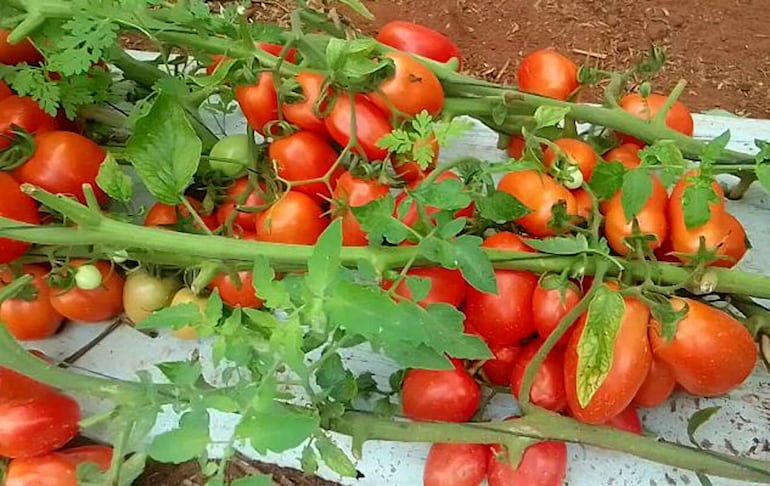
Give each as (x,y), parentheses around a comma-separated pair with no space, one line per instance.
(596,347)
(113,181)
(696,202)
(385,408)
(334,457)
(376,219)
(214,308)
(324,264)
(358,7)
(174,317)
(366,384)
(336,379)
(309,461)
(663,312)
(287,341)
(550,116)
(607,179)
(181,373)
(447,132)
(452,228)
(666,154)
(254,480)
(445,324)
(84,42)
(278,428)
(273,292)
(698,419)
(637,189)
(223,403)
(704,480)
(184,443)
(164,150)
(763,163)
(447,194)
(419,287)
(714,149)
(464,253)
(500,207)
(32,81)
(559,245)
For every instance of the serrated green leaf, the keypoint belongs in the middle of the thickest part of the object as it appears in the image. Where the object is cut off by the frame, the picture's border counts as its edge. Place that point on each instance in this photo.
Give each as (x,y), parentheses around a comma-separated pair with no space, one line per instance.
(607,179)
(500,207)
(698,419)
(474,264)
(637,189)
(31,81)
(663,312)
(714,149)
(164,150)
(254,480)
(596,347)
(181,373)
(113,181)
(376,219)
(174,317)
(214,308)
(559,245)
(287,341)
(273,292)
(447,194)
(278,428)
(83,44)
(336,379)
(419,287)
(446,132)
(324,264)
(763,163)
(549,116)
(186,442)
(696,203)
(309,461)
(366,384)
(334,457)
(446,326)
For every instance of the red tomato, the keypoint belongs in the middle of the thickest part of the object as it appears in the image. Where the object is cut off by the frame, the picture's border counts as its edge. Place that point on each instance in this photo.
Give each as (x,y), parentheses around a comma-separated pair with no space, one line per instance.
(657,387)
(32,317)
(548,386)
(456,465)
(26,114)
(547,73)
(630,364)
(627,154)
(722,234)
(412,215)
(62,163)
(178,217)
(408,169)
(627,421)
(37,425)
(577,152)
(97,305)
(498,370)
(542,464)
(237,294)
(17,206)
(651,220)
(259,102)
(584,203)
(551,301)
(5,91)
(303,156)
(412,89)
(711,353)
(678,117)
(675,205)
(302,113)
(352,192)
(446,286)
(246,221)
(274,49)
(448,396)
(371,125)
(539,192)
(23,52)
(295,218)
(420,40)
(94,454)
(58,468)
(505,240)
(516,146)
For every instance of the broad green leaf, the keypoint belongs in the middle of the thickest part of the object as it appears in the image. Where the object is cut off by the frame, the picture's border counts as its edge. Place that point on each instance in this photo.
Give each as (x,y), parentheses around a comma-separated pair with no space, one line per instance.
(452,228)
(278,428)
(325,261)
(214,308)
(365,383)
(334,377)
(309,461)
(186,442)
(596,347)
(698,419)
(222,403)
(560,245)
(376,219)
(164,150)
(714,149)
(446,325)
(500,207)
(607,179)
(637,189)
(286,340)
(447,194)
(254,480)
(181,373)
(696,202)
(273,292)
(113,181)
(474,264)
(419,287)
(174,317)
(666,154)
(334,457)
(549,116)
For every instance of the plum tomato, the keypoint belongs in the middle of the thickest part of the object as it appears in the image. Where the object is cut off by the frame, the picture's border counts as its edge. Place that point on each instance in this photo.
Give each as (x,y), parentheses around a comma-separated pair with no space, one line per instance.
(540,193)
(440,395)
(245,221)
(498,370)
(419,39)
(17,206)
(22,52)
(627,421)
(24,113)
(576,152)
(678,117)
(295,218)
(259,102)
(548,73)
(413,88)
(453,464)
(627,154)
(548,386)
(446,286)
(551,301)
(37,425)
(651,220)
(239,293)
(97,305)
(657,387)
(303,112)
(542,464)
(178,217)
(30,316)
(353,192)
(305,156)
(371,125)
(144,293)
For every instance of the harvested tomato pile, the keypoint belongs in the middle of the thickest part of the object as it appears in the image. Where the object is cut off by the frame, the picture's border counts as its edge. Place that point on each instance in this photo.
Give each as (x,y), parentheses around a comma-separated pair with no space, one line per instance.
(588,273)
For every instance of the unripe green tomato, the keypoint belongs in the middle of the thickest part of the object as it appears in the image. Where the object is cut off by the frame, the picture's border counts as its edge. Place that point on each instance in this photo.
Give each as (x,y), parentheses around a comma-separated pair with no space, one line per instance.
(572,177)
(88,277)
(143,294)
(230,156)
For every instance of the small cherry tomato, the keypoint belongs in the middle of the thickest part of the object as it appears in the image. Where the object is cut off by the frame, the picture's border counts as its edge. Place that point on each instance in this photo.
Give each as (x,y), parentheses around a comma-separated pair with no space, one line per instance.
(548,386)
(97,305)
(627,421)
(304,156)
(437,395)
(413,88)
(302,113)
(657,387)
(540,193)
(551,301)
(295,218)
(17,206)
(548,73)
(353,192)
(499,369)
(678,117)
(30,315)
(456,465)
(371,125)
(419,39)
(238,293)
(259,102)
(577,153)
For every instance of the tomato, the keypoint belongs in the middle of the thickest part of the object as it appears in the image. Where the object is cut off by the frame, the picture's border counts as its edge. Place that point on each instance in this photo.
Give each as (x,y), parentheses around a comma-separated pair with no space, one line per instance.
(548,386)
(371,125)
(97,305)
(5,91)
(584,204)
(711,353)
(245,220)
(722,234)
(576,152)
(274,49)
(630,364)
(412,215)
(505,240)
(627,154)
(295,219)
(32,426)
(548,73)
(676,199)
(230,155)
(62,163)
(26,114)
(542,464)
(506,318)
(406,166)
(259,102)
(352,192)
(516,147)
(302,113)
(412,88)
(23,52)
(651,220)
(448,396)
(627,421)
(657,387)
(93,454)
(17,206)
(185,296)
(304,156)
(419,39)
(539,192)
(178,217)
(498,370)
(446,286)
(678,117)
(456,465)
(32,317)
(237,294)
(58,468)
(551,301)
(144,293)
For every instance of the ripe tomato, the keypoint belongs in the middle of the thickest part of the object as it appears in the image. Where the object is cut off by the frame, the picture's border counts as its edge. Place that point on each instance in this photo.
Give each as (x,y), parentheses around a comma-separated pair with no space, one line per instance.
(516,146)
(178,217)
(651,220)
(26,114)
(539,192)
(551,301)
(498,370)
(506,318)
(412,216)
(245,220)
(407,168)
(303,156)
(31,316)
(5,91)
(657,387)
(448,396)
(32,426)
(577,152)
(542,464)
(678,117)
(420,40)
(237,294)
(412,89)
(723,234)
(259,102)
(352,192)
(94,454)
(144,293)
(676,200)
(371,125)
(302,113)
(584,202)
(711,353)
(627,421)
(630,364)
(456,465)
(446,286)
(548,386)
(58,468)
(23,52)
(627,154)
(547,73)
(505,240)
(62,163)
(100,304)
(295,218)
(274,49)
(17,206)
